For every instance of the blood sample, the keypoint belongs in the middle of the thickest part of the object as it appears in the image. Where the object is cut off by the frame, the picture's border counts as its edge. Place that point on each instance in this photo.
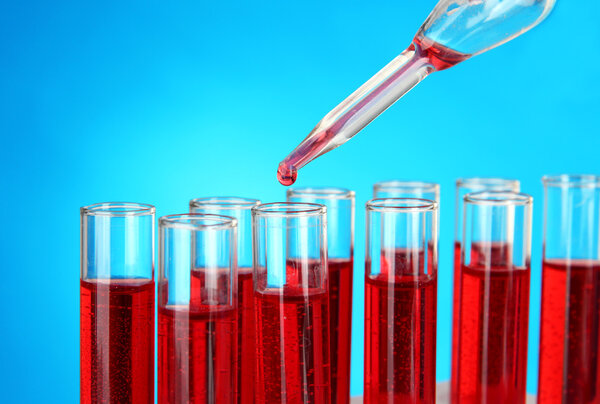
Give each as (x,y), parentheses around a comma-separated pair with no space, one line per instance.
(292,303)
(197,310)
(400,300)
(569,368)
(117,303)
(240,208)
(493,301)
(340,248)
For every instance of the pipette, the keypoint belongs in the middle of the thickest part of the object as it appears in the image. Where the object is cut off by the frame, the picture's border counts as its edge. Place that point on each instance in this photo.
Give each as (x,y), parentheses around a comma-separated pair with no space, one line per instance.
(454,31)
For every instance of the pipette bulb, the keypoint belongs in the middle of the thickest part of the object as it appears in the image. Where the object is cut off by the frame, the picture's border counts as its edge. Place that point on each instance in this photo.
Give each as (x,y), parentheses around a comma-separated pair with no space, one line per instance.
(286,174)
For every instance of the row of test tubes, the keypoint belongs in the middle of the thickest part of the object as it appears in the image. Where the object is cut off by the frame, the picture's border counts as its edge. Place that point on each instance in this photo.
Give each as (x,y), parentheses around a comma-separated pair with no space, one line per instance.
(254,300)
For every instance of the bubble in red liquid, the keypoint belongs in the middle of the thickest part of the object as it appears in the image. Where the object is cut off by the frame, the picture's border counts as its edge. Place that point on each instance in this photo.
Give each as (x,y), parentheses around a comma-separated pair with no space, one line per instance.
(286,174)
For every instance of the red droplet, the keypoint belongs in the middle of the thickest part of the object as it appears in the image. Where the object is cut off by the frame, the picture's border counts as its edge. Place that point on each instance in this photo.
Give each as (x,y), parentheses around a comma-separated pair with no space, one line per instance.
(286,174)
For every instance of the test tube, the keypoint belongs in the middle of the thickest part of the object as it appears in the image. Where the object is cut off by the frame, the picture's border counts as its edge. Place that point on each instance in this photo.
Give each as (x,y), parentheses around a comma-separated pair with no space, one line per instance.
(292,303)
(197,309)
(493,309)
(407,189)
(240,209)
(465,186)
(569,368)
(400,301)
(340,250)
(117,303)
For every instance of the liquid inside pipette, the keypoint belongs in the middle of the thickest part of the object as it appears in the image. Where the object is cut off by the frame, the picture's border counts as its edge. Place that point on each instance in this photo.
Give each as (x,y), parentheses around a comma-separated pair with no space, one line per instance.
(423,57)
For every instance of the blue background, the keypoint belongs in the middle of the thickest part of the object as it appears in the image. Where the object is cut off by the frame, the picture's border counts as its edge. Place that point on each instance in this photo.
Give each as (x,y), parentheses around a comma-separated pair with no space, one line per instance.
(160,102)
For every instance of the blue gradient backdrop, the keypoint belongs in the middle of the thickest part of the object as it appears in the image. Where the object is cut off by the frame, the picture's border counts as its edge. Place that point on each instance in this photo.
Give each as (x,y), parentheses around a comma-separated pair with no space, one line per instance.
(161,102)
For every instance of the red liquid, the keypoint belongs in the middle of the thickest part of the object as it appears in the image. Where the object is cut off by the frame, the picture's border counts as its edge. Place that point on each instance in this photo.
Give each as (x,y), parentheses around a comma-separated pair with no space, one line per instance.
(400,331)
(197,344)
(570,337)
(197,354)
(117,341)
(286,174)
(340,326)
(492,329)
(293,340)
(246,337)
(440,56)
(455,320)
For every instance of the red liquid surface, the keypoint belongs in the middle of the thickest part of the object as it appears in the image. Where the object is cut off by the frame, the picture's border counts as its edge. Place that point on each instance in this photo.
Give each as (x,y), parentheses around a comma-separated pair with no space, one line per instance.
(400,331)
(292,326)
(117,341)
(492,328)
(340,326)
(246,337)
(197,344)
(570,337)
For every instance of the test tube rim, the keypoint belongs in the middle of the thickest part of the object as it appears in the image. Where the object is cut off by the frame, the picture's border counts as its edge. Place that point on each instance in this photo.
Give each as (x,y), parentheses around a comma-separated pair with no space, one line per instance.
(294,209)
(225,202)
(177,221)
(487,197)
(401,205)
(107,209)
(571,181)
(320,192)
(489,183)
(424,186)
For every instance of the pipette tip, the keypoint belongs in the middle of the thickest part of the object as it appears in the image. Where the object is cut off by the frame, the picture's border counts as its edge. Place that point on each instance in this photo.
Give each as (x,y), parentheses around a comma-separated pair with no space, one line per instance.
(286,174)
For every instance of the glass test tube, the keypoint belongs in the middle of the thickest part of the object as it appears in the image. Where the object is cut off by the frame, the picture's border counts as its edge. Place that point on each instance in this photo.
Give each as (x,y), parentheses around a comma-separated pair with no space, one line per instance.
(292,303)
(465,186)
(570,318)
(493,311)
(117,303)
(197,309)
(407,189)
(400,301)
(340,250)
(241,209)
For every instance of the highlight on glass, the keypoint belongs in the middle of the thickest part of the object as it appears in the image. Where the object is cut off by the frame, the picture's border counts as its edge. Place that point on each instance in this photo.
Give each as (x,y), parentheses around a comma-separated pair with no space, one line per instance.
(197,309)
(401,300)
(292,303)
(493,311)
(241,210)
(465,186)
(407,189)
(340,250)
(117,303)
(570,318)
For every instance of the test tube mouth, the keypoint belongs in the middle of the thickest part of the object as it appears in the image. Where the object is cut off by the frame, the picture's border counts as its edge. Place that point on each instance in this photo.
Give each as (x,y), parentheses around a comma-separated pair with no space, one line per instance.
(401,205)
(498,198)
(289,209)
(407,186)
(320,193)
(117,209)
(224,203)
(571,181)
(491,183)
(198,221)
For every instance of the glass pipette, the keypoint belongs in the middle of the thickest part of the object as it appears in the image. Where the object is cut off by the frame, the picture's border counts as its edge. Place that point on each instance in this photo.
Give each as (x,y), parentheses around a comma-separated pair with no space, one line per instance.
(454,31)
